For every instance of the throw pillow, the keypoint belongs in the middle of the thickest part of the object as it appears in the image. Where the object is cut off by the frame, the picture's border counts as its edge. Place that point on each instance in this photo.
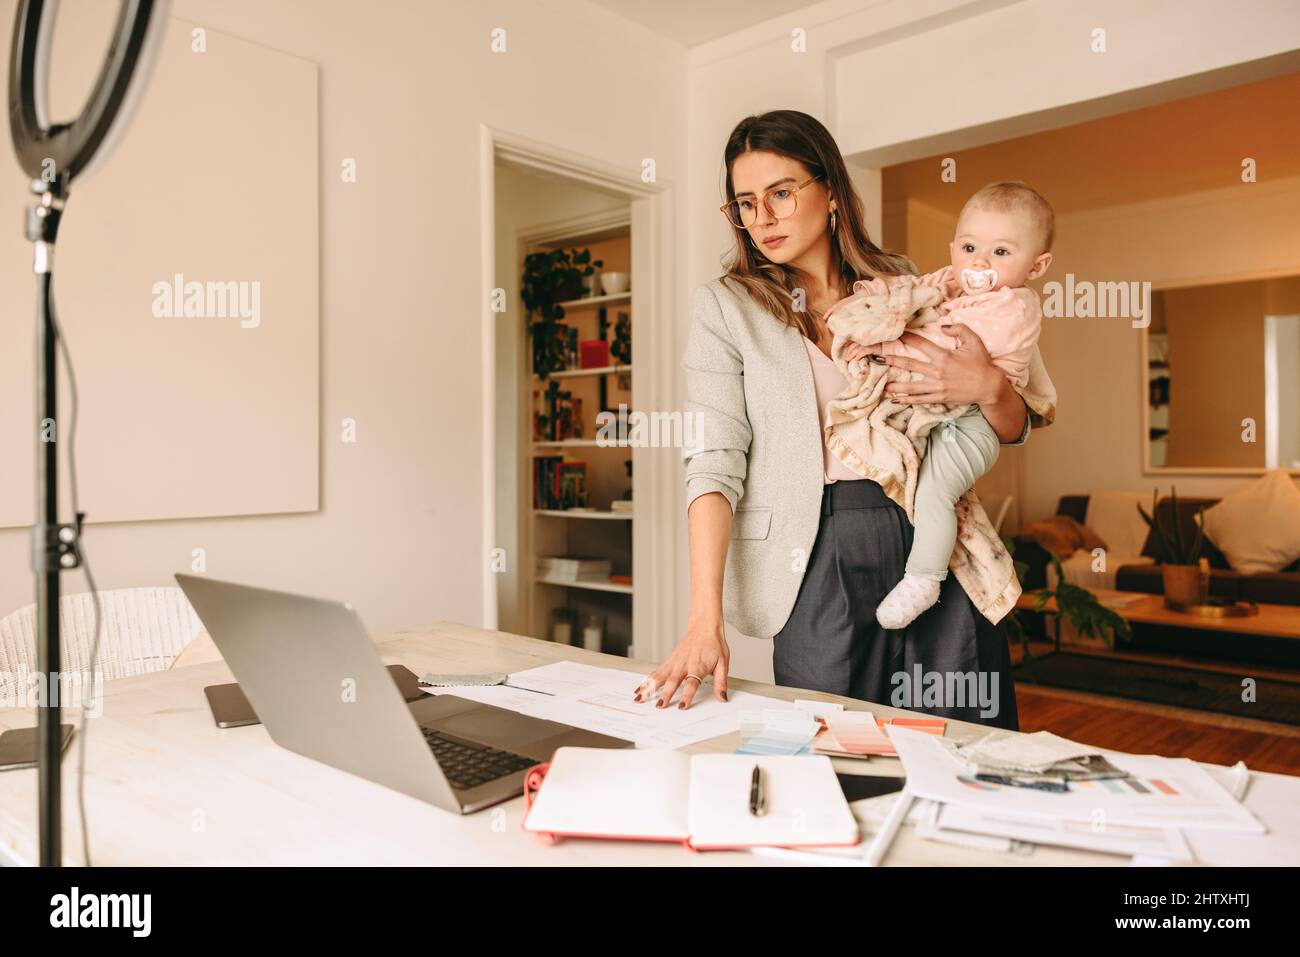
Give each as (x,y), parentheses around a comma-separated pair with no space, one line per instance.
(1258,527)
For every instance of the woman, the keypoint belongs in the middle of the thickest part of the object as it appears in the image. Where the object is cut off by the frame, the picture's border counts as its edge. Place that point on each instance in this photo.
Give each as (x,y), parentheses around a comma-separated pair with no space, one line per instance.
(806,548)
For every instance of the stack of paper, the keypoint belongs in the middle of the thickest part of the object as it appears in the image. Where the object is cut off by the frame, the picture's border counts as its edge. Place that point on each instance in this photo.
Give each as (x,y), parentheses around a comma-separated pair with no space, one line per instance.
(1144,812)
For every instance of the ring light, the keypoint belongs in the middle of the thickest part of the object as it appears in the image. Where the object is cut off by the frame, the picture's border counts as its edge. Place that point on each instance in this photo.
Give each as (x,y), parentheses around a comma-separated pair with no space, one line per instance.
(73,149)
(78,147)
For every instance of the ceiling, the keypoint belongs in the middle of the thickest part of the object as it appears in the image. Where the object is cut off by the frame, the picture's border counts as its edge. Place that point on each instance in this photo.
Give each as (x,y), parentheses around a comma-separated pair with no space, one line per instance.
(692,22)
(1184,146)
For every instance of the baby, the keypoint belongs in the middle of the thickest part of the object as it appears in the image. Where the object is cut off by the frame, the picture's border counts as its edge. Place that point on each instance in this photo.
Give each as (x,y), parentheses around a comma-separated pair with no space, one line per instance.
(1003,238)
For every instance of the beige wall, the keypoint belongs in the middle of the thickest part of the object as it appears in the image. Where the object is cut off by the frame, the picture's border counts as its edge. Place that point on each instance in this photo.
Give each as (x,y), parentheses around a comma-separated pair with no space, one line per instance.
(404,88)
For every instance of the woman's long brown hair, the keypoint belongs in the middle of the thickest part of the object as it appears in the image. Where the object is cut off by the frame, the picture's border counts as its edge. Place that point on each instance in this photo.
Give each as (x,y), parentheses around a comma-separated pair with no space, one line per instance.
(801,137)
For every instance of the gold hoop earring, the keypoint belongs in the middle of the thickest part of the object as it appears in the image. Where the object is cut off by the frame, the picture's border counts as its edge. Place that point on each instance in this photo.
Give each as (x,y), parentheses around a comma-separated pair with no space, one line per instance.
(832,222)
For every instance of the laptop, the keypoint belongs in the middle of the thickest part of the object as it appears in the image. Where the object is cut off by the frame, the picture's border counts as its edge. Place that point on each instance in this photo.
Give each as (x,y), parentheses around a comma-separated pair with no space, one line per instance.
(316,681)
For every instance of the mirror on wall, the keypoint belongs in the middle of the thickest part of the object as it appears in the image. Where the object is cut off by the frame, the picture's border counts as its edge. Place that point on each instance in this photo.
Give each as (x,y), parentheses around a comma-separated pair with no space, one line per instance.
(1222,365)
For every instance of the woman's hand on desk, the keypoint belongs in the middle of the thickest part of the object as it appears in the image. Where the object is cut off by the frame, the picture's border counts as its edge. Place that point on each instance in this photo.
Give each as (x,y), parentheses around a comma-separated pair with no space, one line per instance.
(701,652)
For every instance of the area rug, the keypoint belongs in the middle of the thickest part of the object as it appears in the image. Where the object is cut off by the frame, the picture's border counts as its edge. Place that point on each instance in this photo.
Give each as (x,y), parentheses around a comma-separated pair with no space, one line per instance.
(1166,684)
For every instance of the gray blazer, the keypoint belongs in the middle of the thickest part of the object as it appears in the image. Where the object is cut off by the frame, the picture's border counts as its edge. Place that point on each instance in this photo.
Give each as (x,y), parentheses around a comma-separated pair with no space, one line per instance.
(755,436)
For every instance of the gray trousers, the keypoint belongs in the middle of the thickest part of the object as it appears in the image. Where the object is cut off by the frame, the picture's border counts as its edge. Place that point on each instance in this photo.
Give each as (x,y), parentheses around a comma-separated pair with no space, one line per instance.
(957,452)
(951,662)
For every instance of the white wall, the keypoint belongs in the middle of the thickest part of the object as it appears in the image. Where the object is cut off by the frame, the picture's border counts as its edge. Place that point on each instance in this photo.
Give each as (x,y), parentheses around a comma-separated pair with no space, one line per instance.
(951,75)
(163,407)
(404,88)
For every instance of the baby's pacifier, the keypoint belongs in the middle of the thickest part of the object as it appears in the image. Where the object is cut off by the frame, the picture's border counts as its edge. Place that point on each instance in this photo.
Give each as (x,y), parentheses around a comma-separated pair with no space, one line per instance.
(979,280)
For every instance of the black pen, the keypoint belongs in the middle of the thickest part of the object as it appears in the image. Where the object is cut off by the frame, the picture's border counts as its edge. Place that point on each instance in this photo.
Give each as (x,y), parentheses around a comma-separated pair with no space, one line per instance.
(757,799)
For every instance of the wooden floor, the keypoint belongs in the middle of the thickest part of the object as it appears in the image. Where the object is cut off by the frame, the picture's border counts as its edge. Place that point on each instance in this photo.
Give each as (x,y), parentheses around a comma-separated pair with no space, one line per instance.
(1142,728)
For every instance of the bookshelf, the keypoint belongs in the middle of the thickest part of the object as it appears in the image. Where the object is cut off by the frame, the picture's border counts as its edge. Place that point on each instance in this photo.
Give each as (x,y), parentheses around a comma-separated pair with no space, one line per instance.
(566,436)
(591,585)
(602,370)
(579,513)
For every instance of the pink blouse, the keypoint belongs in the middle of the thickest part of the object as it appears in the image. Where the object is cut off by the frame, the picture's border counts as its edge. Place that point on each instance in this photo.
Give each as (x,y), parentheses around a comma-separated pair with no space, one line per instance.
(829,383)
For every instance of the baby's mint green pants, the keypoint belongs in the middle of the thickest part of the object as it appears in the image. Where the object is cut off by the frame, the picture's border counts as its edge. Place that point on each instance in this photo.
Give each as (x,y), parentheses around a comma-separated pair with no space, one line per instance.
(958,451)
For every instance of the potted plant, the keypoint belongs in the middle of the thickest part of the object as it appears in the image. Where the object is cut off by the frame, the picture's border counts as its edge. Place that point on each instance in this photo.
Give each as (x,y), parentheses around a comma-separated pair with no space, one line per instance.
(1080,607)
(1180,566)
(550,277)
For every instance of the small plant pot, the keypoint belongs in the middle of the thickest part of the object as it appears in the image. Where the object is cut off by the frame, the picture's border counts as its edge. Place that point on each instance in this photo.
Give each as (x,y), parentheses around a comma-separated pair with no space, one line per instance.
(1182,583)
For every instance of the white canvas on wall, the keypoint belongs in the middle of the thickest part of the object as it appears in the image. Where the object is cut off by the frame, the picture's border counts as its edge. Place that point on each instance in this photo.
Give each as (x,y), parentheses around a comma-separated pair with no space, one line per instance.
(186,282)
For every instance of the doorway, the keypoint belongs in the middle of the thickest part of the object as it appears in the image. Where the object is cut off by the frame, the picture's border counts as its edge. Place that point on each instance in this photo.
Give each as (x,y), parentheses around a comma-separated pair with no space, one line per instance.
(572,551)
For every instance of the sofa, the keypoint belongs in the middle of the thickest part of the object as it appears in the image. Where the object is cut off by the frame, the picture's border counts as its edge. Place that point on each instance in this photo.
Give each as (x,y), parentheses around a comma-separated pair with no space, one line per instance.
(1278,588)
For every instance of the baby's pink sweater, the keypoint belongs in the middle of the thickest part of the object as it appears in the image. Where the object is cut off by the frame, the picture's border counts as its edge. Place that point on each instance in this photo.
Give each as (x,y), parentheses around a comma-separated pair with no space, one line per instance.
(1007,321)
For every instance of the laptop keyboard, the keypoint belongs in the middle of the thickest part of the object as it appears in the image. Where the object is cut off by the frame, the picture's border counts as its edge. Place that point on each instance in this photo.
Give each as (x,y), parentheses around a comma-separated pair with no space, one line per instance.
(469,765)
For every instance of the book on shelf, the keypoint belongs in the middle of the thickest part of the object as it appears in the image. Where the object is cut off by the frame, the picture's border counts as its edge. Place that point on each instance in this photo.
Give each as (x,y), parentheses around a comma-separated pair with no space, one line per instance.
(559,483)
(562,568)
(621,505)
(557,416)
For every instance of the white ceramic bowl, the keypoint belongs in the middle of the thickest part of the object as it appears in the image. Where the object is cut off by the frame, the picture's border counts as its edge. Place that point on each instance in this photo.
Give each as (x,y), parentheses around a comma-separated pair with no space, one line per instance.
(614,282)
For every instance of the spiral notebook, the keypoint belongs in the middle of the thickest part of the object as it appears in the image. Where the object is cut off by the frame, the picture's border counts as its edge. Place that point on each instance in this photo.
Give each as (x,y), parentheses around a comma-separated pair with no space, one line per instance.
(700,800)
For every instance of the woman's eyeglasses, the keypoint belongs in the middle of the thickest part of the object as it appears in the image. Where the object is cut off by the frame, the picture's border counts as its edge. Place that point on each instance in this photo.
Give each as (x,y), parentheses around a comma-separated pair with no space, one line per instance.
(781,201)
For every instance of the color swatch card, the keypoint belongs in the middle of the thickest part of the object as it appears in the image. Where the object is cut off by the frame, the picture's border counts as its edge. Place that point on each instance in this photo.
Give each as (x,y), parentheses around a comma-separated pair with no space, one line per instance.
(776,731)
(857,734)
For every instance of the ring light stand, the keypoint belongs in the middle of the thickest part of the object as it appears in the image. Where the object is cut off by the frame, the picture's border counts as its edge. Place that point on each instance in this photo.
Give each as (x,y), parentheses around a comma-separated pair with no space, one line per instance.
(52,156)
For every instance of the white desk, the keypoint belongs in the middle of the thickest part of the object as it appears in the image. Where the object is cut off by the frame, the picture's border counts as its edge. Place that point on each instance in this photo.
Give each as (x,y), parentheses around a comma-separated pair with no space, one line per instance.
(164,786)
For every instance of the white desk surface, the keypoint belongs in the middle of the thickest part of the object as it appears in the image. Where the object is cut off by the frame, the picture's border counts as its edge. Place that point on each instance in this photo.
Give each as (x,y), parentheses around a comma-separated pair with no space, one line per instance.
(165,786)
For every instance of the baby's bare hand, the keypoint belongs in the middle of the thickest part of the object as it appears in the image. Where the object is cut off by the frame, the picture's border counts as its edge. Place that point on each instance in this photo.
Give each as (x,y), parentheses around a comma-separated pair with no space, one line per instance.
(854,351)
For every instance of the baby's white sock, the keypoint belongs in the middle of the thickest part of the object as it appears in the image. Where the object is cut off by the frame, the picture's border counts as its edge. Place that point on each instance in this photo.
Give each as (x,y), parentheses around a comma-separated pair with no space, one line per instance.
(908,599)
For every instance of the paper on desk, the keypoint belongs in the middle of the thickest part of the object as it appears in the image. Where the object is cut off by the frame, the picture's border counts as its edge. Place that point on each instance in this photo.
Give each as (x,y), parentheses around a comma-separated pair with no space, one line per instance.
(1235,779)
(818,709)
(600,699)
(1063,832)
(870,813)
(1161,792)
(929,829)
